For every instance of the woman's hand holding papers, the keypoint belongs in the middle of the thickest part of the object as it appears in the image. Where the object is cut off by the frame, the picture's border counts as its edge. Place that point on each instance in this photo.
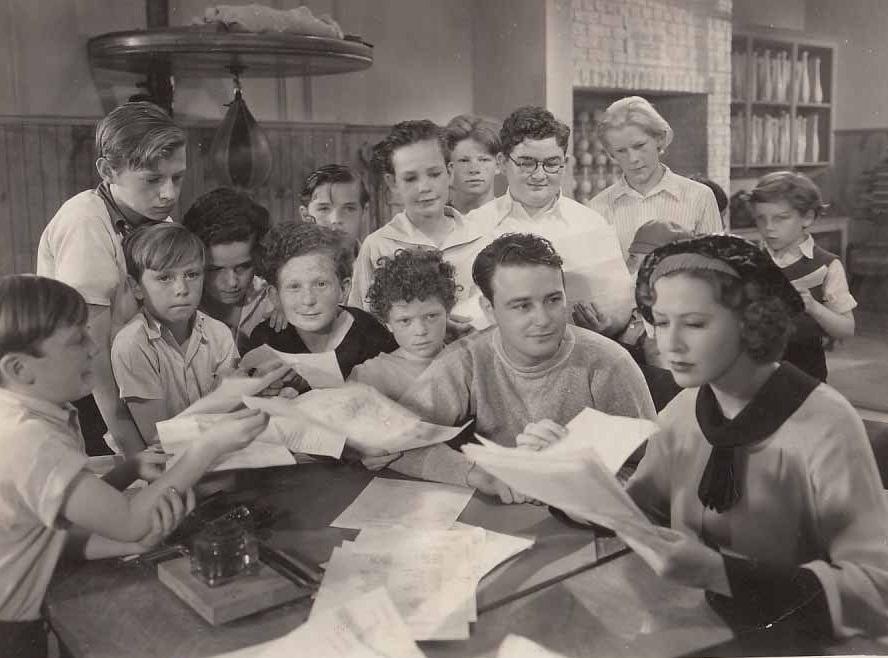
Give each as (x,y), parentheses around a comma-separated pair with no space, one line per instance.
(540,435)
(675,555)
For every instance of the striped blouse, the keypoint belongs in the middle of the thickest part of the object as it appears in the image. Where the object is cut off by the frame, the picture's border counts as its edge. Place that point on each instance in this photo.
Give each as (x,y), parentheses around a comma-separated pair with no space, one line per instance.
(674,199)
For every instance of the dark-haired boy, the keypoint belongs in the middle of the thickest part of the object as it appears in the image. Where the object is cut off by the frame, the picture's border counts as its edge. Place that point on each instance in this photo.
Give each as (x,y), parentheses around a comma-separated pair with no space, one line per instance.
(231,225)
(533,159)
(531,367)
(141,159)
(335,196)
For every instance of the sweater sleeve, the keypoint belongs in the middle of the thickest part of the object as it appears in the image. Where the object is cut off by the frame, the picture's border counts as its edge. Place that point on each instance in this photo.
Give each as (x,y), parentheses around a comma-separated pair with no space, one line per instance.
(852,514)
(619,388)
(440,395)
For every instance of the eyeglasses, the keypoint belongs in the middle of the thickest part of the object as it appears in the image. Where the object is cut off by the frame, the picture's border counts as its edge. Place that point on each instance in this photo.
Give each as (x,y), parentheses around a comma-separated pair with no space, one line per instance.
(529,165)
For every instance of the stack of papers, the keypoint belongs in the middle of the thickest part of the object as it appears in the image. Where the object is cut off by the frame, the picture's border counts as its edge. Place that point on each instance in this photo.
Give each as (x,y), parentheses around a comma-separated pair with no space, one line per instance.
(576,475)
(432,576)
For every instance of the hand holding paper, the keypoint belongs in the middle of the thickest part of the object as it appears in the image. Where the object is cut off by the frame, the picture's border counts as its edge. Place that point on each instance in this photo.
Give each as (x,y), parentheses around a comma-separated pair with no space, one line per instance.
(320,370)
(675,555)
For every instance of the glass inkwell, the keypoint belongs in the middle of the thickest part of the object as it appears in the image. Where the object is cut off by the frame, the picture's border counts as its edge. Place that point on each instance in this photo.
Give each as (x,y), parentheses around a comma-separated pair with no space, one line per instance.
(225,548)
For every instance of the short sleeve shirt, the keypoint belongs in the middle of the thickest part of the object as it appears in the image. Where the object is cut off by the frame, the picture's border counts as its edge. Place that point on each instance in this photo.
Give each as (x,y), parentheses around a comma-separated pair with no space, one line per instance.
(147,364)
(81,247)
(43,453)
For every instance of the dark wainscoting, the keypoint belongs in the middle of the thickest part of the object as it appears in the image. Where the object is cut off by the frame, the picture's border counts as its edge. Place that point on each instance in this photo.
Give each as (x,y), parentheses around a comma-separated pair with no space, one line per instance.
(45,161)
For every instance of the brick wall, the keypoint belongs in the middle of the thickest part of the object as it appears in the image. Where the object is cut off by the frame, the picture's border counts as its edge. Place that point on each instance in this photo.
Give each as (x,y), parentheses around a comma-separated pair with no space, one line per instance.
(661,47)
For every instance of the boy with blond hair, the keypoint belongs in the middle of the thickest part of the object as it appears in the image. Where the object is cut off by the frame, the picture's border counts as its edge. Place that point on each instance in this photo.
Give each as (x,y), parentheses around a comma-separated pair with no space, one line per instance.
(141,159)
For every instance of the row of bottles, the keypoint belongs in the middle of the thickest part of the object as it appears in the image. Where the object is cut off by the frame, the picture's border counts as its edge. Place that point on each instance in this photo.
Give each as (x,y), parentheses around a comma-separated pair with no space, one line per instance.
(770,139)
(594,170)
(772,74)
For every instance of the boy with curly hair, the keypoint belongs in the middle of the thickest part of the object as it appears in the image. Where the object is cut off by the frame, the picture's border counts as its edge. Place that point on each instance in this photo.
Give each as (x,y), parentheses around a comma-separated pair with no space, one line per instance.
(310,270)
(412,294)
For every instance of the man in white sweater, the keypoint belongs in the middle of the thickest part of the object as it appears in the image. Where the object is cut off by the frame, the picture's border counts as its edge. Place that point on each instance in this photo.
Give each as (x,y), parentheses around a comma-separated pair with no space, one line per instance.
(530,367)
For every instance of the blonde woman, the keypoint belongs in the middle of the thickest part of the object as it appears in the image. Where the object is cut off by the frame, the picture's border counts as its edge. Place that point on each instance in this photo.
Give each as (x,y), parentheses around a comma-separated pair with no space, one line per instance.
(636,136)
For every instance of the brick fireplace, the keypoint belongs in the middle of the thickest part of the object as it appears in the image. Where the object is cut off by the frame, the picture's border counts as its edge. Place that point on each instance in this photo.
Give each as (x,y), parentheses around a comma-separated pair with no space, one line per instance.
(677,53)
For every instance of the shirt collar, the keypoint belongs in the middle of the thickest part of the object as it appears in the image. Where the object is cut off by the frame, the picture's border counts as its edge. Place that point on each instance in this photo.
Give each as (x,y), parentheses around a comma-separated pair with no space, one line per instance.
(64,414)
(122,224)
(400,228)
(155,330)
(509,206)
(804,248)
(669,183)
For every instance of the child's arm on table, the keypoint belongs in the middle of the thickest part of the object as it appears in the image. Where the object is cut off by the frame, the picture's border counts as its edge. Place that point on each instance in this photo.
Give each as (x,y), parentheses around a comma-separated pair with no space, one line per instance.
(168,512)
(95,506)
(107,396)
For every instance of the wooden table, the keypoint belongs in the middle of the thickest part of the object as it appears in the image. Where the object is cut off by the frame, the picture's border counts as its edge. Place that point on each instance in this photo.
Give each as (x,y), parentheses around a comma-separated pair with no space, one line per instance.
(616,607)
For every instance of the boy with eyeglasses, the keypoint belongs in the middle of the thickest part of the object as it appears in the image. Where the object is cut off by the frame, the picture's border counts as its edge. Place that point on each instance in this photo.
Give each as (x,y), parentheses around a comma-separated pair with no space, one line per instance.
(533,158)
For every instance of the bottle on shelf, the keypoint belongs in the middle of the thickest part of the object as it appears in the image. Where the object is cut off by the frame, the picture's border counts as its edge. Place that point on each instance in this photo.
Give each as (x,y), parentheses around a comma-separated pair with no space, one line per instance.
(816,86)
(801,138)
(814,138)
(804,79)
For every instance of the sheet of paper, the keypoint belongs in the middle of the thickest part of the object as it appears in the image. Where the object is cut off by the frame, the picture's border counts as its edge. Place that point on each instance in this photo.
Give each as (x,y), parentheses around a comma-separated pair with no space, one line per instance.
(420,435)
(578,484)
(431,586)
(496,549)
(177,433)
(613,438)
(298,432)
(517,646)
(320,370)
(402,503)
(366,627)
(594,270)
(406,541)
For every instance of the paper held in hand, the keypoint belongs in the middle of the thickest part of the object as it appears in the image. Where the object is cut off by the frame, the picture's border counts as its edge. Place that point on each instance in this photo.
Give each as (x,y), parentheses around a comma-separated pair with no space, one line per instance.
(577,475)
(320,370)
(594,270)
(373,423)
(177,433)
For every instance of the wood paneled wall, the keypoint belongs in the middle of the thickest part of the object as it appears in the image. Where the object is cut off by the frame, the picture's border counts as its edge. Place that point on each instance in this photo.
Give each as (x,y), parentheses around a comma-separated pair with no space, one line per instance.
(43,162)
(857,151)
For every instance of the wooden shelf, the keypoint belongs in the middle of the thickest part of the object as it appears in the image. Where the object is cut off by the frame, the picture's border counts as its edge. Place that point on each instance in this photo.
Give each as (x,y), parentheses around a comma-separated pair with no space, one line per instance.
(747,46)
(200,52)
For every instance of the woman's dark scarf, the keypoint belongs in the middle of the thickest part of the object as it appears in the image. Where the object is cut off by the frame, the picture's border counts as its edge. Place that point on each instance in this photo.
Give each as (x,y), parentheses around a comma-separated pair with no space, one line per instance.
(784,392)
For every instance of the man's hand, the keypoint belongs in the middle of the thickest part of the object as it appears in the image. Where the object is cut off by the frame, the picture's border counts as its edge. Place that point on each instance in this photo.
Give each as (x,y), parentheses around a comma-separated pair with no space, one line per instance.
(585,315)
(150,463)
(484,482)
(540,435)
(168,512)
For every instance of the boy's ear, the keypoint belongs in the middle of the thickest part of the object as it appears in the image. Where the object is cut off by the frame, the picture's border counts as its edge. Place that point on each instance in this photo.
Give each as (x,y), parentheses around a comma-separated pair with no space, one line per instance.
(501,162)
(808,218)
(345,286)
(389,182)
(136,287)
(487,308)
(13,368)
(106,171)
(304,215)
